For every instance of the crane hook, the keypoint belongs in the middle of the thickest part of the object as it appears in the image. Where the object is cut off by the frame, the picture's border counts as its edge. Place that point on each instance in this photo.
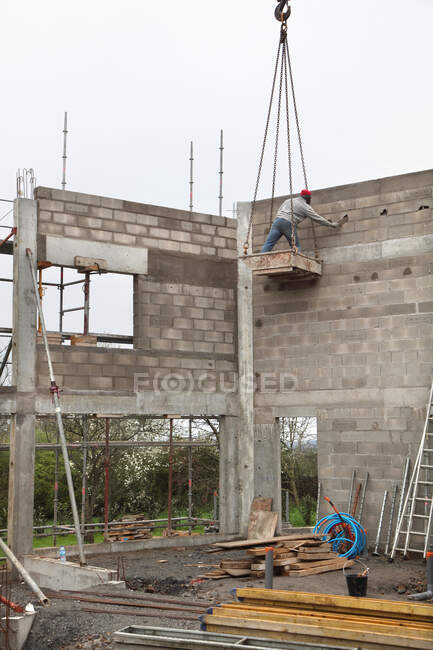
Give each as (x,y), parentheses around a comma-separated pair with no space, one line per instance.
(280,14)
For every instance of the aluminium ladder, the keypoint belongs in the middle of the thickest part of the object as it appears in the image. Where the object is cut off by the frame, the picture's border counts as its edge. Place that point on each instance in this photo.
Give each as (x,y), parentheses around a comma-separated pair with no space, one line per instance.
(415,521)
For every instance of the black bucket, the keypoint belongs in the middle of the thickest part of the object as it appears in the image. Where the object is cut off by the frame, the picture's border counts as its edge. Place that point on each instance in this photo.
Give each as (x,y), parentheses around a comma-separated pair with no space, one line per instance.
(357,582)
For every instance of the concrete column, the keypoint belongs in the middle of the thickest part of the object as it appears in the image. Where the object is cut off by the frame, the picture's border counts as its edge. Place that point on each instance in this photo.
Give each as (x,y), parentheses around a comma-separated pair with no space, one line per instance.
(22,442)
(229,488)
(267,460)
(246,374)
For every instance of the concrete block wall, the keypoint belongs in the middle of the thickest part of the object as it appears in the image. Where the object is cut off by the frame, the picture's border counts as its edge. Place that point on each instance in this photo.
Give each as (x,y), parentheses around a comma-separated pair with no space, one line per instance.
(184,309)
(358,342)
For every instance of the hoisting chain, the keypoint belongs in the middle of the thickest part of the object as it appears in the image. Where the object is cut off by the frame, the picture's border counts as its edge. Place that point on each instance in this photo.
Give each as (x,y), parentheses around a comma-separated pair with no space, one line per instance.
(285,72)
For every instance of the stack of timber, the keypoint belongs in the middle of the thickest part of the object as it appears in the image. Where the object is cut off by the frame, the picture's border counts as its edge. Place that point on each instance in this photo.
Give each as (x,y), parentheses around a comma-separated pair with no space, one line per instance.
(341,621)
(294,555)
(130,527)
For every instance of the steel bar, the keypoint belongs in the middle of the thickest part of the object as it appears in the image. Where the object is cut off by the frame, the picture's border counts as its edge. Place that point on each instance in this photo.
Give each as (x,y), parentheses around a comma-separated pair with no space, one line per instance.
(125,612)
(379,526)
(170,477)
(190,473)
(355,500)
(23,572)
(403,487)
(11,605)
(5,357)
(319,493)
(61,289)
(94,444)
(191,175)
(364,488)
(352,486)
(221,172)
(65,137)
(120,603)
(55,395)
(391,517)
(152,599)
(107,476)
(6,279)
(11,234)
(86,303)
(65,311)
(84,477)
(56,491)
(269,568)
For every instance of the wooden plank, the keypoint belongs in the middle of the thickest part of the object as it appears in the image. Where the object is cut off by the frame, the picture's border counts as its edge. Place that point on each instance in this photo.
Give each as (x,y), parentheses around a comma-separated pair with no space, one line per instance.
(322,548)
(260,566)
(260,503)
(335,603)
(268,540)
(317,556)
(236,564)
(313,564)
(262,524)
(287,630)
(383,627)
(335,566)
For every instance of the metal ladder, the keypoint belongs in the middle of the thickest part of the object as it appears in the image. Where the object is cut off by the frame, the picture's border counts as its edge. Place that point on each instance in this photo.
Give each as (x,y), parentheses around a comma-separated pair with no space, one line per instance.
(419,496)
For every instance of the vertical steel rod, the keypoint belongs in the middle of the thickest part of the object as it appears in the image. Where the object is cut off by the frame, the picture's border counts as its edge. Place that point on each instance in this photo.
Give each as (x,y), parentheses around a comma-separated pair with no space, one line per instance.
(84,478)
(170,477)
(286,499)
(364,488)
(56,491)
(352,486)
(61,289)
(58,411)
(107,476)
(190,477)
(379,526)
(65,136)
(41,293)
(86,302)
(319,494)
(221,173)
(391,517)
(191,175)
(5,358)
(215,505)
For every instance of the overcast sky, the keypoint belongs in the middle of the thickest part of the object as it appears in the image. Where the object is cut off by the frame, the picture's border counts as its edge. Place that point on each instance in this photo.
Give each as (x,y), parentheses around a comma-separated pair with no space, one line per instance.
(140,79)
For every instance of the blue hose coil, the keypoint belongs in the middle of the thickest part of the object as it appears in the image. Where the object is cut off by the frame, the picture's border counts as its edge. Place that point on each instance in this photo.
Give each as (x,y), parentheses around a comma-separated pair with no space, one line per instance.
(326,525)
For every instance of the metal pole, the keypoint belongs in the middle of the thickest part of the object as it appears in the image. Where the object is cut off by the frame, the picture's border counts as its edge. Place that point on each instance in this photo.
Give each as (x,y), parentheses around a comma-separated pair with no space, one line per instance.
(65,136)
(54,389)
(56,492)
(352,486)
(170,476)
(191,175)
(215,505)
(221,172)
(190,477)
(84,478)
(107,475)
(62,289)
(319,493)
(379,526)
(364,487)
(391,517)
(41,293)
(269,568)
(287,502)
(25,575)
(403,487)
(86,302)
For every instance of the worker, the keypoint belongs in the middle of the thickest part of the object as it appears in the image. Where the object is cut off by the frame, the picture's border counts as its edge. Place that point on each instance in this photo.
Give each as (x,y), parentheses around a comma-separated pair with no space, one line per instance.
(282,224)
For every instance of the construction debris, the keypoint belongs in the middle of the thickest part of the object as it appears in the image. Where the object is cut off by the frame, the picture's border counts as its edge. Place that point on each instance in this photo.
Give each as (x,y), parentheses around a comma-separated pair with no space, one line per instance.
(134,529)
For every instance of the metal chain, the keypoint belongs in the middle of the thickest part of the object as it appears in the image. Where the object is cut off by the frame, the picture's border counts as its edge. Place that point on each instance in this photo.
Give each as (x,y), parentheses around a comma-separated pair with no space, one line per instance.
(253,205)
(289,149)
(277,129)
(301,148)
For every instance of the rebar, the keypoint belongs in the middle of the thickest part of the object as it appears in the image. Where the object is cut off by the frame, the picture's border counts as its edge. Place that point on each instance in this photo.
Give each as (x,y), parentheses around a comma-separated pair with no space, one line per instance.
(364,488)
(191,175)
(221,172)
(391,517)
(379,526)
(65,136)
(107,476)
(352,486)
(170,477)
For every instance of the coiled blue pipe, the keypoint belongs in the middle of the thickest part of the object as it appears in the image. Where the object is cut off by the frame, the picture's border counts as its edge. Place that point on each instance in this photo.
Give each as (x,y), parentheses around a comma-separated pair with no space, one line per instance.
(327,526)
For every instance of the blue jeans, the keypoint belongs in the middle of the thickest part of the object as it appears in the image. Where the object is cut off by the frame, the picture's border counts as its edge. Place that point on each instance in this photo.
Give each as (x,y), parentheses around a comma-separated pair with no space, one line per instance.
(279,228)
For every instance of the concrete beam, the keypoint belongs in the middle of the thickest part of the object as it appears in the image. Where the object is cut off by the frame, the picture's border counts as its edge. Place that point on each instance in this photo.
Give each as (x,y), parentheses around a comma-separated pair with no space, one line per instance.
(145,403)
(246,373)
(404,247)
(61,251)
(22,438)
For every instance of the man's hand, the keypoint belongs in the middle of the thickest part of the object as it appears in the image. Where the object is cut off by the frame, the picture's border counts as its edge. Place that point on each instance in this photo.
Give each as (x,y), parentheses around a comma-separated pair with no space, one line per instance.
(342,221)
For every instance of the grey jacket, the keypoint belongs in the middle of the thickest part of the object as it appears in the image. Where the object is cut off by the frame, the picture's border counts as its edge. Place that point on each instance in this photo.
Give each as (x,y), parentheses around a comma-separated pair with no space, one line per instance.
(301,210)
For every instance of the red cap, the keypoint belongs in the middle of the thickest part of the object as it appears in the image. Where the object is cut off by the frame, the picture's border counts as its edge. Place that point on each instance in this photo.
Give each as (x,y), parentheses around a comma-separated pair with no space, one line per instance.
(305,193)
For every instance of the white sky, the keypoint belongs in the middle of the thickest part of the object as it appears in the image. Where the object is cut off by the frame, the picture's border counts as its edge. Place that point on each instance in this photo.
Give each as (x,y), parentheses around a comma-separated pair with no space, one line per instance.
(140,79)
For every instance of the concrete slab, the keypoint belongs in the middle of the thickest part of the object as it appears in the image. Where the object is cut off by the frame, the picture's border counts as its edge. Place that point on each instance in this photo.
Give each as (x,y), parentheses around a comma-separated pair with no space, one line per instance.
(120,259)
(51,573)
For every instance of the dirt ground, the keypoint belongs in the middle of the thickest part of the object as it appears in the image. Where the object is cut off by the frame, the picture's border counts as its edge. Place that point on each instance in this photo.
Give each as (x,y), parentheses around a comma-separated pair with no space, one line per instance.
(63,624)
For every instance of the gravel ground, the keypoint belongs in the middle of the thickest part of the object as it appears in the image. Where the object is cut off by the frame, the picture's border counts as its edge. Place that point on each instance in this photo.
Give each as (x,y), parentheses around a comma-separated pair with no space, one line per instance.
(63,624)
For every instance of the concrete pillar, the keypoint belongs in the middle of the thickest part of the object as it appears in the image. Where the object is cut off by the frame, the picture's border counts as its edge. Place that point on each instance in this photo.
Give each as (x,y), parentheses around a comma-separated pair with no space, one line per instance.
(22,442)
(246,374)
(230,486)
(267,459)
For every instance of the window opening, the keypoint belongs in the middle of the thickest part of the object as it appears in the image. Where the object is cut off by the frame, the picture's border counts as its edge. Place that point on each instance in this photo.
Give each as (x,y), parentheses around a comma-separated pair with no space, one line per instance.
(299,474)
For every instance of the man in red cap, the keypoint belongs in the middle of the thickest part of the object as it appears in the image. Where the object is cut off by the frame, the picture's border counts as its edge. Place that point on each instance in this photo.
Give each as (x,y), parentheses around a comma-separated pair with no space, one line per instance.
(301,210)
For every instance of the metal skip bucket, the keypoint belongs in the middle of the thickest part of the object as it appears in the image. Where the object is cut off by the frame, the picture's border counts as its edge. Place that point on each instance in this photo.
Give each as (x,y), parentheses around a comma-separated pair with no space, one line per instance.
(357,579)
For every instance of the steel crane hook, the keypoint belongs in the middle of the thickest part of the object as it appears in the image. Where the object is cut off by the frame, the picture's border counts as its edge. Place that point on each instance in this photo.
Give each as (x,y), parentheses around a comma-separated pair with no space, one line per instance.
(280,14)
